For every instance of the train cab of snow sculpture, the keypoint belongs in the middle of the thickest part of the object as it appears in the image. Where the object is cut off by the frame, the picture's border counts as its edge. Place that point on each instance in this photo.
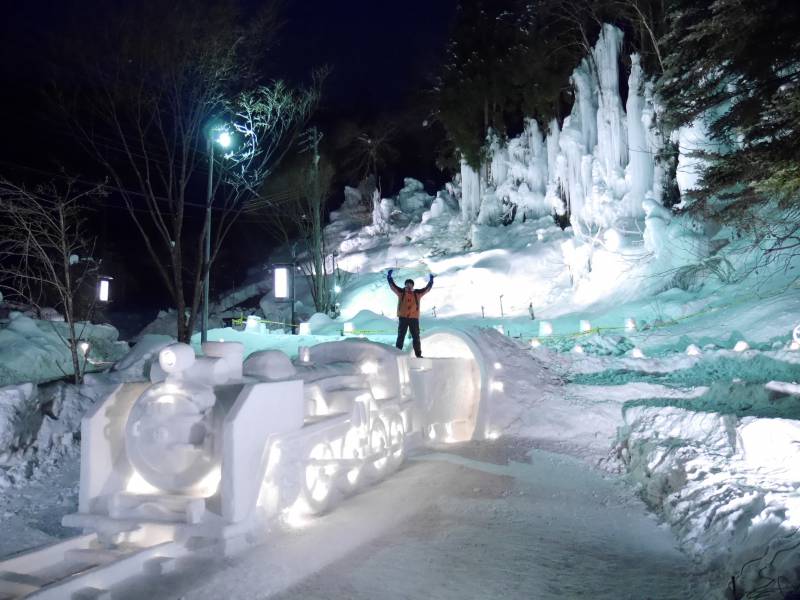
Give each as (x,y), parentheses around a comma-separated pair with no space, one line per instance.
(215,445)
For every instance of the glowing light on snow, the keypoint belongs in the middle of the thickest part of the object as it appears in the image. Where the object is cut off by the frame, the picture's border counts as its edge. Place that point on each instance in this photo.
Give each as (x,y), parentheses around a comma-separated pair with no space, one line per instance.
(296,516)
(304,352)
(138,485)
(348,327)
(500,329)
(637,353)
(281,282)
(337,289)
(497,386)
(252,324)
(104,291)
(692,350)
(630,324)
(369,367)
(545,328)
(540,235)
(794,345)
(741,346)
(305,329)
(165,399)
(319,473)
(209,484)
(432,432)
(493,435)
(585,326)
(578,349)
(535,343)
(498,366)
(84,347)
(448,433)
(613,240)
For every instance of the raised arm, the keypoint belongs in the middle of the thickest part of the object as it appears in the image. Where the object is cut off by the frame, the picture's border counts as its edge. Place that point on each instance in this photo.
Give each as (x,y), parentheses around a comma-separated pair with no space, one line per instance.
(428,287)
(395,288)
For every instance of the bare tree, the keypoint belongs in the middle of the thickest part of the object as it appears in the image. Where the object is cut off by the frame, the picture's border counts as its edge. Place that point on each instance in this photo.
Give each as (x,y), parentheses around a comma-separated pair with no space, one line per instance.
(319,267)
(295,212)
(154,104)
(45,253)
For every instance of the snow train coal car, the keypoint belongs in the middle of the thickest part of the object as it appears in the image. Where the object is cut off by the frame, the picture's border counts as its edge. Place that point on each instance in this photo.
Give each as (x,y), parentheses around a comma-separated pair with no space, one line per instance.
(216,445)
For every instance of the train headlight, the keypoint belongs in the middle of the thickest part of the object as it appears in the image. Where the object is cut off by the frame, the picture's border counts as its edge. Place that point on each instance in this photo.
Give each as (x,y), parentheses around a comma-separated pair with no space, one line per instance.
(176,357)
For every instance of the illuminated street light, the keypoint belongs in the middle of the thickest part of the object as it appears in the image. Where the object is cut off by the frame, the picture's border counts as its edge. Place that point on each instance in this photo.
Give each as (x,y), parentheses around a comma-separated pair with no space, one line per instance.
(104,288)
(283,288)
(224,139)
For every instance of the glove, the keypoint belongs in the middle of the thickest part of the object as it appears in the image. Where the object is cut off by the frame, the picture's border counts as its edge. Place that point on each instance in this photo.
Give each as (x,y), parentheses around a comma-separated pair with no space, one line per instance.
(430,277)
(389,276)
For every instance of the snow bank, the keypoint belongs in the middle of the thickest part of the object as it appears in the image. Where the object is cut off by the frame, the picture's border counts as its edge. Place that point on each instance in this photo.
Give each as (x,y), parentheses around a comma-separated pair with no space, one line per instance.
(727,486)
(40,426)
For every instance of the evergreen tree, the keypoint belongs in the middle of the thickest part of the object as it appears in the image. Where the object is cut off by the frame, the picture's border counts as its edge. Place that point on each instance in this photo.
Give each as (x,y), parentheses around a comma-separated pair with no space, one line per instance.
(506,59)
(736,63)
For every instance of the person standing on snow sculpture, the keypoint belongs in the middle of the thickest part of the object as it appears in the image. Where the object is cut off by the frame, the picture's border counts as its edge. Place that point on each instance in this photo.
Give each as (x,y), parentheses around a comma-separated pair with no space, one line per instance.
(408,310)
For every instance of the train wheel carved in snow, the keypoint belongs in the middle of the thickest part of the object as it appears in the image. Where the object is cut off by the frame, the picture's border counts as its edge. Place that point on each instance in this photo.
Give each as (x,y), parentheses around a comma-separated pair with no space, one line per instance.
(378,454)
(397,440)
(353,447)
(318,478)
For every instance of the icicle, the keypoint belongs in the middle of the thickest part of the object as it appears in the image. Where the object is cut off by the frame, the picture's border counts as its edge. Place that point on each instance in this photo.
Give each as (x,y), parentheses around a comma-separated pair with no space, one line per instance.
(612,139)
(470,192)
(639,172)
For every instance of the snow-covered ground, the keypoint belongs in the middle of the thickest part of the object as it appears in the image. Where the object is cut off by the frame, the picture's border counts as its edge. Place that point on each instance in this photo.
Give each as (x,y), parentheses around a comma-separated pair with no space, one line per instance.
(483,520)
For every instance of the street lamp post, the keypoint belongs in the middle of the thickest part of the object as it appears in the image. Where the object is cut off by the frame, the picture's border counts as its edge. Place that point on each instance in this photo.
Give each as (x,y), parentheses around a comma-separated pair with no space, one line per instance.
(224,140)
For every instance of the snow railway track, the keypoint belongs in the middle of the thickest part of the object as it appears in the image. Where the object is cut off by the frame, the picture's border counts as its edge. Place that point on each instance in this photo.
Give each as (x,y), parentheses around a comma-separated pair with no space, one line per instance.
(85,567)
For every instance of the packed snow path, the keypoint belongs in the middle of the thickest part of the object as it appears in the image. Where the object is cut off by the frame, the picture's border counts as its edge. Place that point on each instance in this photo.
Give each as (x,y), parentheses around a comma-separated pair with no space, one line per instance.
(476,521)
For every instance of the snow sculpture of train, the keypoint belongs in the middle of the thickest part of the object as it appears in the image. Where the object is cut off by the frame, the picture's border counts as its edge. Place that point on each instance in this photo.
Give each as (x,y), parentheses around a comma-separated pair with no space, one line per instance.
(216,446)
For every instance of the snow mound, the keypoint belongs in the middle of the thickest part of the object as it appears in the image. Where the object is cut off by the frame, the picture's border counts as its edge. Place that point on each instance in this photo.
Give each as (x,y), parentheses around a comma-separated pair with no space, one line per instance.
(368,321)
(35,351)
(322,324)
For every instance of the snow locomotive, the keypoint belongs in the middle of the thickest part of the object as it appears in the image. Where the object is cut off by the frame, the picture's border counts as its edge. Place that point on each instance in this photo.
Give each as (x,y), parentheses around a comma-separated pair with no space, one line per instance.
(215,446)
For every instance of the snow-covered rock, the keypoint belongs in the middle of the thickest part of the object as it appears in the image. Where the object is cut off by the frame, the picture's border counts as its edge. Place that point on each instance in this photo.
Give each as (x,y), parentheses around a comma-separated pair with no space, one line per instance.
(20,418)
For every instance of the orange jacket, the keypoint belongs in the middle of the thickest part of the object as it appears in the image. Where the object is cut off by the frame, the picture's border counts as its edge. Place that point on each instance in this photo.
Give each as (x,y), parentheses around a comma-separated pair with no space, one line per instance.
(408,302)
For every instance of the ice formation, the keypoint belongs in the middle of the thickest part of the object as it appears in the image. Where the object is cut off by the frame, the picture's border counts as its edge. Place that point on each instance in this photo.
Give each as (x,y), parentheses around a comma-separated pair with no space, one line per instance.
(599,165)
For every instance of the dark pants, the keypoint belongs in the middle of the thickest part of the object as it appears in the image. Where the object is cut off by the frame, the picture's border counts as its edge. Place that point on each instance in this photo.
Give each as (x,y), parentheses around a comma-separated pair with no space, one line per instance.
(405,325)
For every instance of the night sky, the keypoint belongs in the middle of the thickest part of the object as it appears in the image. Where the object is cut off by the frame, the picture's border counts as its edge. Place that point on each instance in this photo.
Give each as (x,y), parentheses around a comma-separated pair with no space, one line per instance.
(382,54)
